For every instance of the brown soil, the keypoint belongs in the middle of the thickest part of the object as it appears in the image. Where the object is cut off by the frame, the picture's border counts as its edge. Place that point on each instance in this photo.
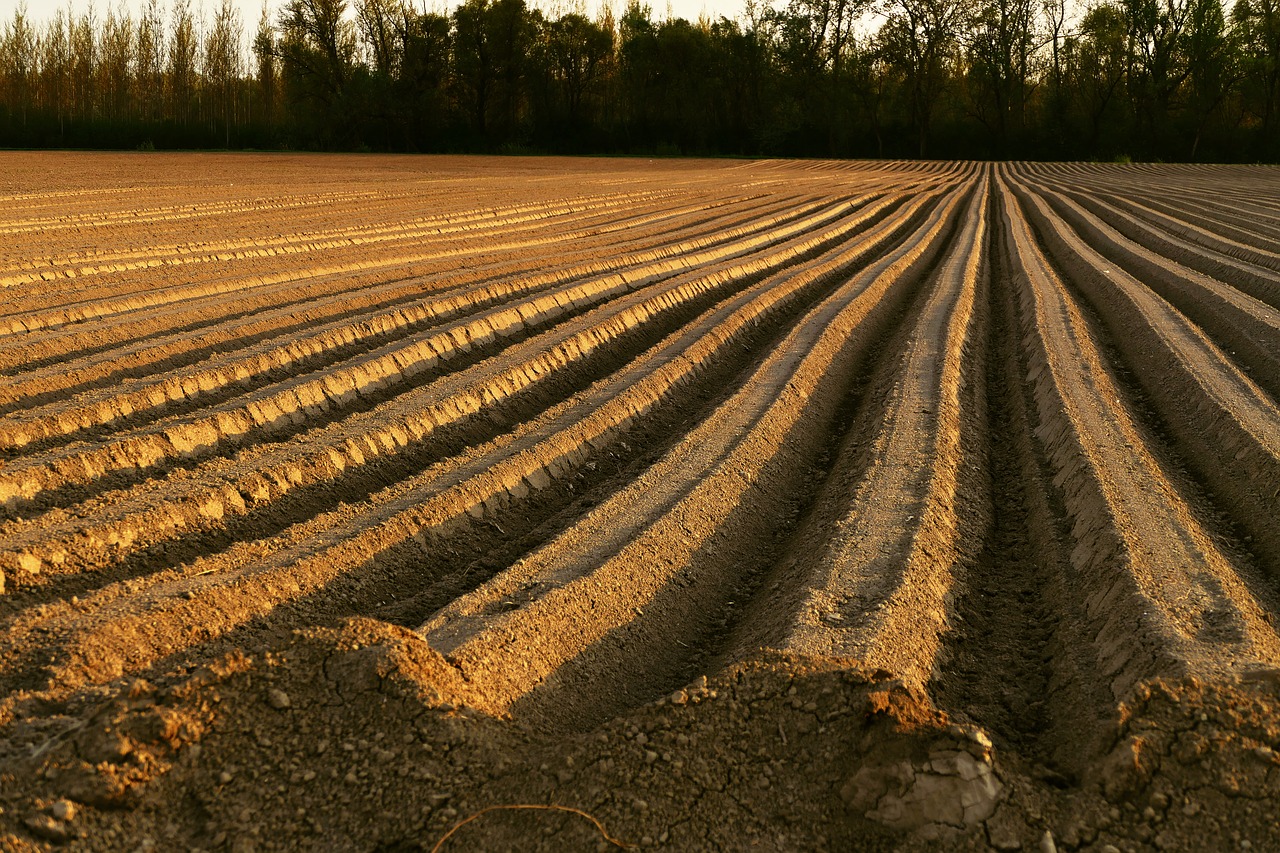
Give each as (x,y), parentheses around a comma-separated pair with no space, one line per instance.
(405,503)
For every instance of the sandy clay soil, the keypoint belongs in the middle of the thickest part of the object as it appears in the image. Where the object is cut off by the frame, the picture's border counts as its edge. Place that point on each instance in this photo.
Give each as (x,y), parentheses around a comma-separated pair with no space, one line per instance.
(365,503)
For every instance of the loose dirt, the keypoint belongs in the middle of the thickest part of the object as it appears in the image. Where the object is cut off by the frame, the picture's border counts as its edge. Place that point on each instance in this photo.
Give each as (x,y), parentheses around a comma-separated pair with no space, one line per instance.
(400,503)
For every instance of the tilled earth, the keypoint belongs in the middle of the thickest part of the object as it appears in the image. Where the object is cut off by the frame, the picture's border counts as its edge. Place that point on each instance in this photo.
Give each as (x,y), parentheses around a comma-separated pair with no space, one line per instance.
(399,503)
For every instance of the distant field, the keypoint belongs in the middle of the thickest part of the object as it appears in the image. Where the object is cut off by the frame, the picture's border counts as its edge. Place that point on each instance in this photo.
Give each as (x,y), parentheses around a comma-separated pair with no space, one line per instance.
(343,497)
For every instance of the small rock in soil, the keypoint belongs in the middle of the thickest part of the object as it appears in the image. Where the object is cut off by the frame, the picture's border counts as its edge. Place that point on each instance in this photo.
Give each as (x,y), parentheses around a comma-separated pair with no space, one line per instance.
(44,826)
(63,810)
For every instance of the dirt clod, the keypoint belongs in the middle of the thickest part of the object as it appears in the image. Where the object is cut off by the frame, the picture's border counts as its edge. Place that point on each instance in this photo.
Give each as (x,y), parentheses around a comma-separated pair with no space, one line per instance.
(49,828)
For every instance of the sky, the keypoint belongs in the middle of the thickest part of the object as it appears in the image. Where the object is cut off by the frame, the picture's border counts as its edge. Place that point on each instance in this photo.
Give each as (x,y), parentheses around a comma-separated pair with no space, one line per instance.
(251,10)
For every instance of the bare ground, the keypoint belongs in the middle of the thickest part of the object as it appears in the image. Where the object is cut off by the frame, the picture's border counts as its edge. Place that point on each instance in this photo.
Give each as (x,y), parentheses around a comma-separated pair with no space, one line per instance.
(406,503)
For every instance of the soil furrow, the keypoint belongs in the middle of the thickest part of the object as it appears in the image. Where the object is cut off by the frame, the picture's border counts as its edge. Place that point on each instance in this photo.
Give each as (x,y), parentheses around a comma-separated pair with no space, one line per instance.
(351,338)
(431,507)
(379,374)
(1164,600)
(878,589)
(1230,426)
(1015,660)
(1248,329)
(299,292)
(582,607)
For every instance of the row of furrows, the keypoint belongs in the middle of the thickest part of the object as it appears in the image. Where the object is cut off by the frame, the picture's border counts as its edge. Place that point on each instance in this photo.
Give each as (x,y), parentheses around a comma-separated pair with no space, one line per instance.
(1220,413)
(1242,228)
(1248,328)
(264,473)
(36,308)
(398,309)
(55,197)
(1226,196)
(1215,178)
(142,346)
(311,291)
(379,217)
(1100,567)
(301,401)
(1231,229)
(1158,590)
(1031,598)
(1105,563)
(1203,242)
(427,510)
(1139,581)
(1253,280)
(1219,182)
(260,213)
(211,302)
(255,223)
(22,221)
(357,233)
(632,589)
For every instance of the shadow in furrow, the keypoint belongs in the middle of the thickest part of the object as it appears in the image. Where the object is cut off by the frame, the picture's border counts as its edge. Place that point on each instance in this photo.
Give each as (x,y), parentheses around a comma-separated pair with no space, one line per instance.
(358,483)
(120,478)
(1012,663)
(1224,494)
(694,622)
(406,579)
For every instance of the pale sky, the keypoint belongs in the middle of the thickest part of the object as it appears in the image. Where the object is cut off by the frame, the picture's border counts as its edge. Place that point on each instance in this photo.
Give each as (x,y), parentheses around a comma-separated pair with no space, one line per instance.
(251,10)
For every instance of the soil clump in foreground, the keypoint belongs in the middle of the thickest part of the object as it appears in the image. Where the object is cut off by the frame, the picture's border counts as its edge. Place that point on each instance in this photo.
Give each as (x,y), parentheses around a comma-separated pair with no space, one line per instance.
(359,739)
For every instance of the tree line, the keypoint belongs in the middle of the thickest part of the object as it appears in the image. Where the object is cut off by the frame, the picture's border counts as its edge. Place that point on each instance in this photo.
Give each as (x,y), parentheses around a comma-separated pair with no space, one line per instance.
(1146,79)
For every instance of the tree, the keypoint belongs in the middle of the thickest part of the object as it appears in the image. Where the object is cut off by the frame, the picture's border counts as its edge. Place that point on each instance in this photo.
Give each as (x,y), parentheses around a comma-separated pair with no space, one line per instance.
(869,74)
(1212,72)
(473,59)
(576,54)
(810,40)
(683,89)
(1158,65)
(1257,27)
(742,79)
(55,69)
(181,73)
(18,64)
(266,72)
(222,63)
(149,63)
(920,36)
(381,25)
(318,47)
(1000,68)
(638,71)
(84,59)
(1097,63)
(423,86)
(115,71)
(492,41)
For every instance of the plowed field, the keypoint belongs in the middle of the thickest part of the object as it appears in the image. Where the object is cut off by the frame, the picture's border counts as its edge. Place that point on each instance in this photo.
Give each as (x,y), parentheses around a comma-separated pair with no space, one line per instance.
(690,505)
